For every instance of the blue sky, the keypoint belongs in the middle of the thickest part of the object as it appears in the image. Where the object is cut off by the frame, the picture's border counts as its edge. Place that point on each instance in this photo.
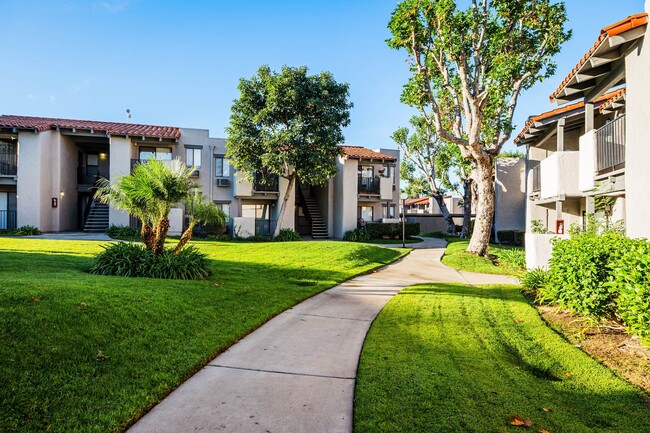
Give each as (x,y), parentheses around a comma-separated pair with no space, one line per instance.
(178,63)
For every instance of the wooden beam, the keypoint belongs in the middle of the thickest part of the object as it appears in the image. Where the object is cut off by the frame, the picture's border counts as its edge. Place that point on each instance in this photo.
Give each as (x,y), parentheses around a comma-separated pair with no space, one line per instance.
(593,72)
(607,83)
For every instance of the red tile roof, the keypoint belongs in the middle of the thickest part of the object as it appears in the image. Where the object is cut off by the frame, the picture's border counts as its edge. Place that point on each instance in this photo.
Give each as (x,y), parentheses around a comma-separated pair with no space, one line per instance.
(358,152)
(617,28)
(112,128)
(615,96)
(414,201)
(566,109)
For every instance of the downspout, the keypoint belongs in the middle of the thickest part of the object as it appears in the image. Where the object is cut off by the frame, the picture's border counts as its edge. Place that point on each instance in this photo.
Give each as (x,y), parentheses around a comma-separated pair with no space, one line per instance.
(210,175)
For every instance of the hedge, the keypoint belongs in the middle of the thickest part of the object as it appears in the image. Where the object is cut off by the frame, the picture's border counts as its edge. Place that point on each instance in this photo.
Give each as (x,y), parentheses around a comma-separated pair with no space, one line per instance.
(392,230)
(511,237)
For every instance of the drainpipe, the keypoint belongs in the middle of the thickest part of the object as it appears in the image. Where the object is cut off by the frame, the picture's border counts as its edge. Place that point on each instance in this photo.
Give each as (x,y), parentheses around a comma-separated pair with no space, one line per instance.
(210,177)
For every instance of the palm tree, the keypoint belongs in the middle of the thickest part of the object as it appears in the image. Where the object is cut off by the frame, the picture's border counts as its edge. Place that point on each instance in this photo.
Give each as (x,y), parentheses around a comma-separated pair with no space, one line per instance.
(149,193)
(199,211)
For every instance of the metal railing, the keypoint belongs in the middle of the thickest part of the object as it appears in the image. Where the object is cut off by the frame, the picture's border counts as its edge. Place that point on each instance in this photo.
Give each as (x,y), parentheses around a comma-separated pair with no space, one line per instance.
(266,183)
(368,185)
(8,164)
(610,145)
(87,175)
(537,179)
(264,227)
(8,219)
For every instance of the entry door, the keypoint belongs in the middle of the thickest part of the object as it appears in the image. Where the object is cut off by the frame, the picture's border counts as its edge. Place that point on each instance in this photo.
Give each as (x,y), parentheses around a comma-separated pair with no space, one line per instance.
(4,202)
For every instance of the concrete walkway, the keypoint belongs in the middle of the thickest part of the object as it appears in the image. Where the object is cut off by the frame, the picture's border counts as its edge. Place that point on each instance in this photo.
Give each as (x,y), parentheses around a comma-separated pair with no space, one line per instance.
(73,236)
(297,372)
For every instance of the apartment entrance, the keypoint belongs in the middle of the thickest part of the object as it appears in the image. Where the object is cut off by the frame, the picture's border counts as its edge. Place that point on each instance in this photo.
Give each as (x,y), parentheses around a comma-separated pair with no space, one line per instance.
(92,165)
(311,208)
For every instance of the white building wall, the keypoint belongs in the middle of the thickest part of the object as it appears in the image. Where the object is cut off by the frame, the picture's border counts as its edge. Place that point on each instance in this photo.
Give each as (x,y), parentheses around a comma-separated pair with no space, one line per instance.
(510,194)
(559,175)
(119,165)
(345,197)
(30,196)
(637,154)
(587,161)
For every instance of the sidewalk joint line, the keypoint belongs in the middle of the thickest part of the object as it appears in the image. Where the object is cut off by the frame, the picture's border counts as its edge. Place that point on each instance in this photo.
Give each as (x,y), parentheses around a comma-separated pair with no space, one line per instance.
(282,372)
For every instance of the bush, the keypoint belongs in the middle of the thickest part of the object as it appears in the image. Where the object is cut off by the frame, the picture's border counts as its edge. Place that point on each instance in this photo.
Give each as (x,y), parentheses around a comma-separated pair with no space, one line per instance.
(392,230)
(534,279)
(578,273)
(220,238)
(115,231)
(538,227)
(515,258)
(357,235)
(133,260)
(25,231)
(254,238)
(287,235)
(630,270)
(511,237)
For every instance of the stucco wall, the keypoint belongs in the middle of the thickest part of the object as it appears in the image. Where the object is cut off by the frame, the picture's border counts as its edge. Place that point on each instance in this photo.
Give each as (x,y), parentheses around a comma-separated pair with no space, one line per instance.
(539,249)
(29,193)
(65,179)
(637,149)
(345,197)
(120,151)
(587,161)
(510,194)
(559,175)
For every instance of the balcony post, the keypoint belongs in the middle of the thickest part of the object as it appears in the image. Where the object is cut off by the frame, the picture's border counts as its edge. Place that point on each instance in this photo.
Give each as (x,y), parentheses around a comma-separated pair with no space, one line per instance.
(589,116)
(560,135)
(558,210)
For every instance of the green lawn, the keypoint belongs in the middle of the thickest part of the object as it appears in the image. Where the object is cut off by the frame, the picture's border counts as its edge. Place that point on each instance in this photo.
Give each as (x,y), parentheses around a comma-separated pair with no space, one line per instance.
(394,241)
(456,257)
(86,353)
(455,358)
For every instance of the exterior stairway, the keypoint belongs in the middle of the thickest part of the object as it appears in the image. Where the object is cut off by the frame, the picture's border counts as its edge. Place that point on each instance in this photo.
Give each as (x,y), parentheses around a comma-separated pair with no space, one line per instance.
(97,220)
(318,226)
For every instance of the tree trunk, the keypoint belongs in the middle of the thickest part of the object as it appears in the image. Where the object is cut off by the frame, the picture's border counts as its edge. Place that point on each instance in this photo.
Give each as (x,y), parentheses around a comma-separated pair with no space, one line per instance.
(160,232)
(146,232)
(480,240)
(185,238)
(467,208)
(451,225)
(283,206)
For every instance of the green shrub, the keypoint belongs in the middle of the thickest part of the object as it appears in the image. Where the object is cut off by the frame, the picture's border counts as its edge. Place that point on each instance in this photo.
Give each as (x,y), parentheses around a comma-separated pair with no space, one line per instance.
(538,227)
(357,235)
(254,238)
(514,257)
(438,235)
(116,231)
(630,270)
(287,235)
(511,237)
(534,279)
(26,231)
(579,272)
(133,260)
(392,230)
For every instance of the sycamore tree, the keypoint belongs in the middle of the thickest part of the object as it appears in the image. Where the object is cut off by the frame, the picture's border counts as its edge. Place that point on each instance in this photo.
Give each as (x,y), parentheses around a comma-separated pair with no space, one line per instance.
(469,67)
(420,149)
(288,124)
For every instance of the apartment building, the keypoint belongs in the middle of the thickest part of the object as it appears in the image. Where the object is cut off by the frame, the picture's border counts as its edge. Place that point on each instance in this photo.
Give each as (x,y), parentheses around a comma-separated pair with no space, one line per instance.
(49,169)
(590,155)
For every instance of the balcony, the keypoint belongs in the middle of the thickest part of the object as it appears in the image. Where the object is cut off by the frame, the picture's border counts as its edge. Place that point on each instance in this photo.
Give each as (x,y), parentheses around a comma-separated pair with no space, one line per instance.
(8,219)
(610,146)
(266,183)
(8,163)
(556,177)
(369,185)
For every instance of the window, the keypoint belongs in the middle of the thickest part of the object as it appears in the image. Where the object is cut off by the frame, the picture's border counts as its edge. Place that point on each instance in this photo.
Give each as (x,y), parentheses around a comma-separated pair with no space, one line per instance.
(257,211)
(92,160)
(225,208)
(193,157)
(389,211)
(159,153)
(365,213)
(221,167)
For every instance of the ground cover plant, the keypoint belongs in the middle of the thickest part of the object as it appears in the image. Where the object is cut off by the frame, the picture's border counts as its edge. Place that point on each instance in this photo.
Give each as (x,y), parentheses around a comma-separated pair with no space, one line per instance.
(91,353)
(456,358)
(501,259)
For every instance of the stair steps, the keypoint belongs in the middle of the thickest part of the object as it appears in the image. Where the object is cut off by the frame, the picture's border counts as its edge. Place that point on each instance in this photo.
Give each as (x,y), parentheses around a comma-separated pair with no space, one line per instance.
(318,225)
(97,220)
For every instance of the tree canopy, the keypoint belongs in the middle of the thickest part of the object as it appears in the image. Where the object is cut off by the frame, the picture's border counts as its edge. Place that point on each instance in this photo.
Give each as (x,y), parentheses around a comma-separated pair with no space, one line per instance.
(469,67)
(289,124)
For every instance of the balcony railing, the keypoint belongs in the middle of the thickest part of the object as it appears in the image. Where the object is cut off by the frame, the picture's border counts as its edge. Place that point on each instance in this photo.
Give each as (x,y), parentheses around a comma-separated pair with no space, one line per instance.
(8,220)
(537,179)
(266,183)
(610,145)
(369,185)
(8,164)
(264,227)
(88,175)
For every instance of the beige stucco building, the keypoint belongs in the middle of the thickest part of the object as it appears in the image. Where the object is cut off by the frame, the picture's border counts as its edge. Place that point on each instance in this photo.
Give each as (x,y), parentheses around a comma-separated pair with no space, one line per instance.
(590,155)
(49,169)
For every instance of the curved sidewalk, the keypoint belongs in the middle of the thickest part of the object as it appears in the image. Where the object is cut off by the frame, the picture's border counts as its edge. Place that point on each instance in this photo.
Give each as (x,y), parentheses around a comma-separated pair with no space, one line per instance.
(297,372)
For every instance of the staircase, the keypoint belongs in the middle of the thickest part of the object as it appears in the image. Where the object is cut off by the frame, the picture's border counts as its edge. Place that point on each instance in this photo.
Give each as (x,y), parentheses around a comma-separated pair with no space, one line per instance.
(318,226)
(97,220)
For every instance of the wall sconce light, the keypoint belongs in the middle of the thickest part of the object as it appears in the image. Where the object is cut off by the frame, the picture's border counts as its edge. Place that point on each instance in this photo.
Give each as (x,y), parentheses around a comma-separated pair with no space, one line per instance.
(61,194)
(102,155)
